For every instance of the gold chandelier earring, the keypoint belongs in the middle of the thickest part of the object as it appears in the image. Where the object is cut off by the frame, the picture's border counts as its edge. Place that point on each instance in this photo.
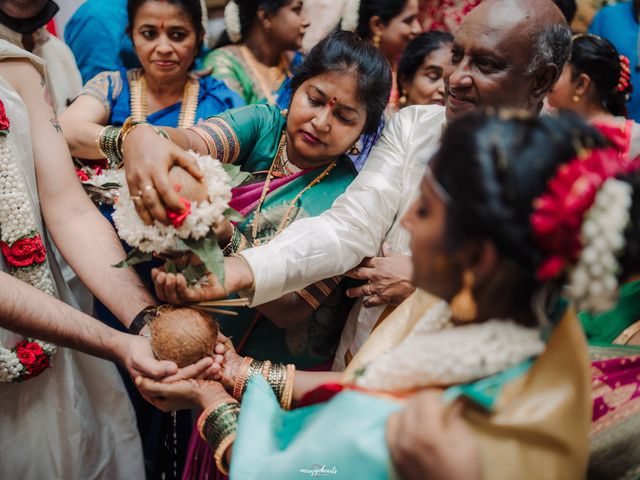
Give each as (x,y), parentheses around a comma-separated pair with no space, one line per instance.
(377,39)
(463,305)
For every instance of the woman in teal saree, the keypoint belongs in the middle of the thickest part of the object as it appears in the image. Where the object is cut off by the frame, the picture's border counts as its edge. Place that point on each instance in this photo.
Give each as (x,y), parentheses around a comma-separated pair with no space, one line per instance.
(299,165)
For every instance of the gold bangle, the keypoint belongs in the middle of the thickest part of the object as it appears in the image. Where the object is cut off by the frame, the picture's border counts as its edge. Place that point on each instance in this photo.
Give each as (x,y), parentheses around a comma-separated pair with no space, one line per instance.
(221,451)
(208,141)
(287,396)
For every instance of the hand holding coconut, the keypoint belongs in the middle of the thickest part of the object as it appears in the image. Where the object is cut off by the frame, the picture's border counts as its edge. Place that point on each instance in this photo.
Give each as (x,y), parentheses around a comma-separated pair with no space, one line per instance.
(190,246)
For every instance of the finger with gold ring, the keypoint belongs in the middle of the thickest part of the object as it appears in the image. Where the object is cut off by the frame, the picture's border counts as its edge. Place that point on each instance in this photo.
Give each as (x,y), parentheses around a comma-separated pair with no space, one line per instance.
(136,198)
(367,289)
(148,188)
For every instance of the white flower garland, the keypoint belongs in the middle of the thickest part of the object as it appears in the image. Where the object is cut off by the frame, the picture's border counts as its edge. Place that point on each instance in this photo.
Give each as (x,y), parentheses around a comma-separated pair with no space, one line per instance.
(593,281)
(438,354)
(17,221)
(232,21)
(158,237)
(350,15)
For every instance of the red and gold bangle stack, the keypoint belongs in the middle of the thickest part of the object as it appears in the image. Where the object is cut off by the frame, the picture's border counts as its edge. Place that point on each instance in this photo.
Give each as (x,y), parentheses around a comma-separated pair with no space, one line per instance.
(217,426)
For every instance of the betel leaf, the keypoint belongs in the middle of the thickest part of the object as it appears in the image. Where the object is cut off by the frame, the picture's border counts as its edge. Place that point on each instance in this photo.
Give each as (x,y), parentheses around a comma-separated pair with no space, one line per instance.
(134,257)
(210,253)
(170,266)
(233,216)
(193,273)
(237,176)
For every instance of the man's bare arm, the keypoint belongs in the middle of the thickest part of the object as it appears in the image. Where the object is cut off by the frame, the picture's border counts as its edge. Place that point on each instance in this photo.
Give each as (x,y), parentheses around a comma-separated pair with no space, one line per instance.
(85,239)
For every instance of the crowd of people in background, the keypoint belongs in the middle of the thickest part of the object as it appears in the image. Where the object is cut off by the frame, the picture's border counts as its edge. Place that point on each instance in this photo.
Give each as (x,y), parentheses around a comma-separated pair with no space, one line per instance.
(437,238)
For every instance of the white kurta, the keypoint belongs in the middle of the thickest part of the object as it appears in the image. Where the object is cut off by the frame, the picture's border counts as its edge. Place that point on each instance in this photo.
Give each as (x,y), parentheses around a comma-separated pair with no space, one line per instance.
(367,215)
(74,421)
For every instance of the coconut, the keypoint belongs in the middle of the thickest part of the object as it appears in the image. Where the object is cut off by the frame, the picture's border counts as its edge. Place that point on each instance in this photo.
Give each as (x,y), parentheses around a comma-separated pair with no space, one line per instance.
(183,335)
(187,186)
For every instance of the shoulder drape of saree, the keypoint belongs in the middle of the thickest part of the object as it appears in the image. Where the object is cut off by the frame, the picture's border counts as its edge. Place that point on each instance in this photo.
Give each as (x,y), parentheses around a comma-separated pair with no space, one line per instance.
(391,331)
(540,426)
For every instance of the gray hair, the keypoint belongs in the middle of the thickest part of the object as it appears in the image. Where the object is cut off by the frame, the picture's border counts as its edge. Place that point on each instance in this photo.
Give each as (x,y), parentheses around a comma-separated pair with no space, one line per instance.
(553,45)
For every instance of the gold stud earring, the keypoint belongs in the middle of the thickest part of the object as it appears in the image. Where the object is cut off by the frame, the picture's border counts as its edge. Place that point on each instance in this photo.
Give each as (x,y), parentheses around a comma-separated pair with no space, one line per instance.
(354,150)
(576,98)
(463,305)
(377,39)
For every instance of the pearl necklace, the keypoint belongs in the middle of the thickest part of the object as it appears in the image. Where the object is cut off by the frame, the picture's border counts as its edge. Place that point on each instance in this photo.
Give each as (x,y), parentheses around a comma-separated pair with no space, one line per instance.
(280,154)
(138,103)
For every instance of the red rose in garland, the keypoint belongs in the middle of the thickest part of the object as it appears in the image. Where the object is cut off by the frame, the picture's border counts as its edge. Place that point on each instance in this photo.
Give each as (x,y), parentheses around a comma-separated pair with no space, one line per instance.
(4,120)
(32,357)
(24,252)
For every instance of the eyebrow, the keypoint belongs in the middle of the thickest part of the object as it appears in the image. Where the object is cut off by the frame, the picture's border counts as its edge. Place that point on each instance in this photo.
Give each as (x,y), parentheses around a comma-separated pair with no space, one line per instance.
(150,25)
(476,52)
(341,105)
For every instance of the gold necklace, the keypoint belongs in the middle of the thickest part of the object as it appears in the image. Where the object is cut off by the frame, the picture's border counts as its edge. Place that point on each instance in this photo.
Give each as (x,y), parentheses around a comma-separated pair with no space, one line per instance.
(285,219)
(138,103)
(281,71)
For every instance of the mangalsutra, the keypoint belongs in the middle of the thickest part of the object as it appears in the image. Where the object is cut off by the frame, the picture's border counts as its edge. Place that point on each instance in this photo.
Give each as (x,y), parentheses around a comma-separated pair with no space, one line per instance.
(286,218)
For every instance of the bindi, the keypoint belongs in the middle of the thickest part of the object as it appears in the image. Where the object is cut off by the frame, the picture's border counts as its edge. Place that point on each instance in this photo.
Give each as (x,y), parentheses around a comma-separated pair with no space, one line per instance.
(333,102)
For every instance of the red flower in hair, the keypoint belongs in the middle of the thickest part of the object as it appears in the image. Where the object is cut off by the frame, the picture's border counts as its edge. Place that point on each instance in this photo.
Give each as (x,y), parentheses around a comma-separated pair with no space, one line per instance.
(559,212)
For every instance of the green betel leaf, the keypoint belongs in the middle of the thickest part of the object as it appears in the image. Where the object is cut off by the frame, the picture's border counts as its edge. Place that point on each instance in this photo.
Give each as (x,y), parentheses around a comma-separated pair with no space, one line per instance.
(193,273)
(237,176)
(134,257)
(233,216)
(210,253)
(170,266)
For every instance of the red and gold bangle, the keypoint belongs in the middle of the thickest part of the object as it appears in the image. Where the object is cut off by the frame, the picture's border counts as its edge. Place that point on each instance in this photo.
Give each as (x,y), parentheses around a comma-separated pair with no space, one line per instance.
(221,451)
(241,378)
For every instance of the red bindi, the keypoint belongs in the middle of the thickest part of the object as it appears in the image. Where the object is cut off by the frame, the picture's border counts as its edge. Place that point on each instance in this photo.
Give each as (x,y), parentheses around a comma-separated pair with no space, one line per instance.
(333,102)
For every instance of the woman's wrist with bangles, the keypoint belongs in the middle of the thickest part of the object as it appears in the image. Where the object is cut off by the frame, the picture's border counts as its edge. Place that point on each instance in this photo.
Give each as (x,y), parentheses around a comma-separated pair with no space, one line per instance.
(217,425)
(107,144)
(110,139)
(280,378)
(237,243)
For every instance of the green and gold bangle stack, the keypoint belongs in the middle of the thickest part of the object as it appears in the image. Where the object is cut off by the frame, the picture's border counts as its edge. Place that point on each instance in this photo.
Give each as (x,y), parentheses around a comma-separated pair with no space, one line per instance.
(107,143)
(280,378)
(237,243)
(110,138)
(217,426)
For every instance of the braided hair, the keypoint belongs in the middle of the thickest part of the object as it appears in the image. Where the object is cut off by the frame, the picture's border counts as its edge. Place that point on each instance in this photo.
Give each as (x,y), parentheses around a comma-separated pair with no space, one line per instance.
(493,176)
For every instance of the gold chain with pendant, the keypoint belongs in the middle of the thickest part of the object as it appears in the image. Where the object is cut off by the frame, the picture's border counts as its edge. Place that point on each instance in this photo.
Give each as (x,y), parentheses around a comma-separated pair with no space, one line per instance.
(286,218)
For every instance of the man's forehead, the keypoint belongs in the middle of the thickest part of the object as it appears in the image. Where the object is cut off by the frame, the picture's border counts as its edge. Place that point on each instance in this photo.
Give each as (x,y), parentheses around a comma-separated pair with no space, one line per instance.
(493,32)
